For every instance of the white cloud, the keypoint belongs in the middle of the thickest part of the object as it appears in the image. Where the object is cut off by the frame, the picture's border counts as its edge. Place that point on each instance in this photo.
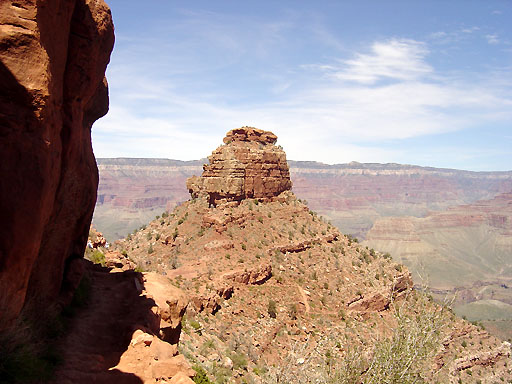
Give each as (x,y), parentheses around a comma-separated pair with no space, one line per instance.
(340,110)
(394,59)
(492,39)
(455,36)
(470,30)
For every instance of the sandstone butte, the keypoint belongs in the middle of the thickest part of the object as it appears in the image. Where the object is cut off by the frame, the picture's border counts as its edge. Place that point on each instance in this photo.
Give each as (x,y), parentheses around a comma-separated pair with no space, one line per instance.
(248,165)
(53,56)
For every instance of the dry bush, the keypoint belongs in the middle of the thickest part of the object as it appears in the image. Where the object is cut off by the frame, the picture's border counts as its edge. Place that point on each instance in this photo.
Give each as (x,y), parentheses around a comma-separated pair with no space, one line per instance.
(405,356)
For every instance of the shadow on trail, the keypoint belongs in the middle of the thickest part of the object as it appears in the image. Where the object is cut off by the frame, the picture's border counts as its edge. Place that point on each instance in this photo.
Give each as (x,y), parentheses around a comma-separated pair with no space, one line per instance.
(101,332)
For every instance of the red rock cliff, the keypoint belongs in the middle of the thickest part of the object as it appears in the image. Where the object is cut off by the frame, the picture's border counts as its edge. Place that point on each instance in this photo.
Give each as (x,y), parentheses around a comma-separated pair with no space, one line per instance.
(53,56)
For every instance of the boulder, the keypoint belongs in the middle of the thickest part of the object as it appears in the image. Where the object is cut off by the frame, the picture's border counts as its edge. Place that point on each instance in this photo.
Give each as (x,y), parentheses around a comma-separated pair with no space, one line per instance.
(256,275)
(171,301)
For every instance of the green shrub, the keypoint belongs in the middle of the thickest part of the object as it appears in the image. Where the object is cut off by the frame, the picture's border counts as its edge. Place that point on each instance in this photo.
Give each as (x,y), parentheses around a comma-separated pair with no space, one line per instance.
(406,356)
(293,312)
(239,361)
(195,324)
(272,309)
(201,377)
(98,257)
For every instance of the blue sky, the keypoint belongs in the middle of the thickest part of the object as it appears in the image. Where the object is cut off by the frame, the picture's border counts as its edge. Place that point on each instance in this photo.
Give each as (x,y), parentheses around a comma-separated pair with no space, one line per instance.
(416,82)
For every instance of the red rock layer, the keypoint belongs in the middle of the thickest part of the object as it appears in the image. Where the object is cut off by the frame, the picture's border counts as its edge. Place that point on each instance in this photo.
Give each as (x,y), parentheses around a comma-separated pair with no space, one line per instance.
(249,165)
(53,56)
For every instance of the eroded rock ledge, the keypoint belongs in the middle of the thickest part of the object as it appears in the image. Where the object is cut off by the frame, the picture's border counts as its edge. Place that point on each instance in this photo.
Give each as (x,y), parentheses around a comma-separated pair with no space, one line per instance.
(248,165)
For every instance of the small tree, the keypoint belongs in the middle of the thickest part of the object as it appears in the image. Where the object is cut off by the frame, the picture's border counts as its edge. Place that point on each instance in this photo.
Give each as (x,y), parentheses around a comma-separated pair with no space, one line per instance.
(271,309)
(293,312)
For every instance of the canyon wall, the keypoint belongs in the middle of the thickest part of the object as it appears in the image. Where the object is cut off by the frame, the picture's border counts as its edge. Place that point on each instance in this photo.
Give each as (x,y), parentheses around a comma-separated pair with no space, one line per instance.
(133,191)
(53,56)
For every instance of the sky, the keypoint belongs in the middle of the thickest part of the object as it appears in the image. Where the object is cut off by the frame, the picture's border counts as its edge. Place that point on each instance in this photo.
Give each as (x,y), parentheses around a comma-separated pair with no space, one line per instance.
(413,82)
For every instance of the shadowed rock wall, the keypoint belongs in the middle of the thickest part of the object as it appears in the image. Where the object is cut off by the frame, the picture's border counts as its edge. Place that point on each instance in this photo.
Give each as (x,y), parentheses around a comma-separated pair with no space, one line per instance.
(53,56)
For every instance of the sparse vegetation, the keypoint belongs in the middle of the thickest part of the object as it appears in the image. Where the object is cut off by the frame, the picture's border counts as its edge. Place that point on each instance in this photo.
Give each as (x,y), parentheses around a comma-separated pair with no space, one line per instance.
(404,357)
(272,309)
(98,257)
(293,311)
(200,377)
(239,360)
(310,293)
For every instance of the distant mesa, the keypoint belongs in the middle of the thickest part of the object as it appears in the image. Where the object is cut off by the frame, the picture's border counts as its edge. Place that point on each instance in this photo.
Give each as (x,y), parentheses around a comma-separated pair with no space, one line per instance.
(248,165)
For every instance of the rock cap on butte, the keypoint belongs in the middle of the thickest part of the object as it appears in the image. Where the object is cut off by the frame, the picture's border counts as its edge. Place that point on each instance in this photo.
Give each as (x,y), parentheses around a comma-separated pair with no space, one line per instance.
(248,165)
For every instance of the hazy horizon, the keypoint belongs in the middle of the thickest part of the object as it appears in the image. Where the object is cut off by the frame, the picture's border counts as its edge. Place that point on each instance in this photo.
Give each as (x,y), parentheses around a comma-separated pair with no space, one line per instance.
(304,161)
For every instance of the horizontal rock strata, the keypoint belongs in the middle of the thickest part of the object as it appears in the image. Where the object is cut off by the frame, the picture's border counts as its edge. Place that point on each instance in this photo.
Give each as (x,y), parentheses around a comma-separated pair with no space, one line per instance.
(248,165)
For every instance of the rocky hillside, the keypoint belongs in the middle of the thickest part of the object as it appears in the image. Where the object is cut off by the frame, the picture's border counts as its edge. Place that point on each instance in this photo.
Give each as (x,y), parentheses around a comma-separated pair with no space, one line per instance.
(464,250)
(53,57)
(388,202)
(278,294)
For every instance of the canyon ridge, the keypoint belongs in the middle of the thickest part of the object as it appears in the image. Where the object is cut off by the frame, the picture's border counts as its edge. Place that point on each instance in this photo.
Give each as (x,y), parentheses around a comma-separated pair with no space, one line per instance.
(467,216)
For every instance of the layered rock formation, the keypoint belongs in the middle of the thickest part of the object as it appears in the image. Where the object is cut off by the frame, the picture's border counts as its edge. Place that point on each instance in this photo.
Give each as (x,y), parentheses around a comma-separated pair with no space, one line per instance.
(248,165)
(53,57)
(473,241)
(463,251)
(133,191)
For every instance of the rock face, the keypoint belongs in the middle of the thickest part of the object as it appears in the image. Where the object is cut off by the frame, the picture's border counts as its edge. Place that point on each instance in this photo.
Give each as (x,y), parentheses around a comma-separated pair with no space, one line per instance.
(53,57)
(248,165)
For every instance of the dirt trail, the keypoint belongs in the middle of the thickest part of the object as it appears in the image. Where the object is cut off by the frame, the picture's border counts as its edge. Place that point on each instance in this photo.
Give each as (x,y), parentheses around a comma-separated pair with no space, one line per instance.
(100,333)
